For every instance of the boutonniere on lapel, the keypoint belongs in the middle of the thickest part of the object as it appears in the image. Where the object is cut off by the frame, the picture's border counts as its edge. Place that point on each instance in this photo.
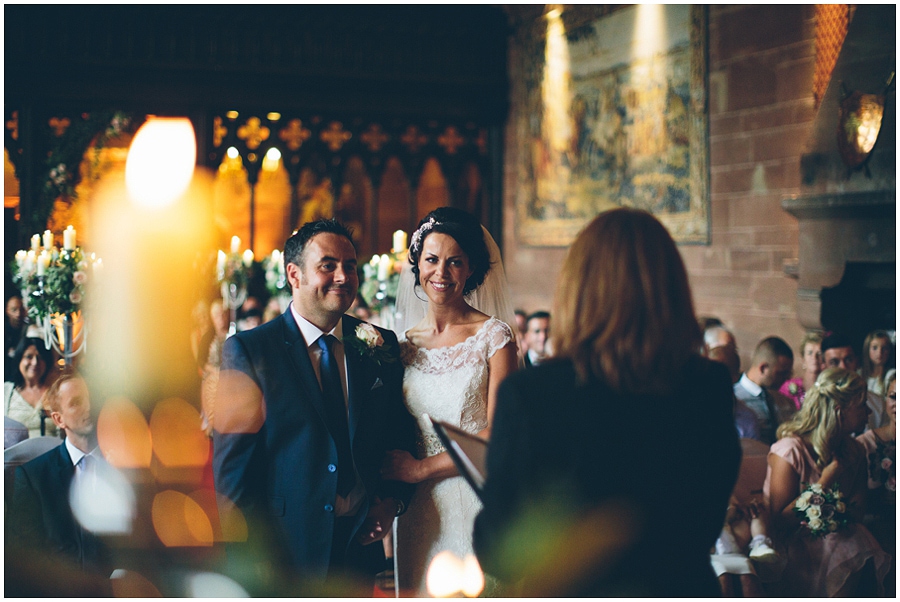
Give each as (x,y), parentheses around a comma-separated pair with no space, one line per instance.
(368,341)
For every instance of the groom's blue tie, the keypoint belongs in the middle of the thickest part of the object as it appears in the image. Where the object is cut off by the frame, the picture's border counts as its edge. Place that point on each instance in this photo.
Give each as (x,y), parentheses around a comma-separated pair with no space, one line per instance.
(336,412)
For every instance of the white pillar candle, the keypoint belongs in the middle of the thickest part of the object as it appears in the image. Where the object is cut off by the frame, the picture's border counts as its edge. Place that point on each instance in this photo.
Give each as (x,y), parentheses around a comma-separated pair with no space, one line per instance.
(29,260)
(48,238)
(384,267)
(220,262)
(20,259)
(43,263)
(248,258)
(235,244)
(69,239)
(399,241)
(36,242)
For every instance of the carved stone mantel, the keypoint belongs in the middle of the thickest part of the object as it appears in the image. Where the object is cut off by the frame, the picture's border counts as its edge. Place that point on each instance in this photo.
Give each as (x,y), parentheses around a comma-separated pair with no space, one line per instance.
(837,229)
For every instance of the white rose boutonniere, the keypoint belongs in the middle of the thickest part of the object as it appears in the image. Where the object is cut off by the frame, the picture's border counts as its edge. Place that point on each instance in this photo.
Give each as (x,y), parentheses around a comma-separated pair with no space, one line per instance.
(367,341)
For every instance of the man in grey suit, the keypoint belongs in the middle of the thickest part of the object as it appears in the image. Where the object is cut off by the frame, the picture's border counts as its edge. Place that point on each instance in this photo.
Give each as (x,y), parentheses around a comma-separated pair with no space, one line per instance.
(771,365)
(307,406)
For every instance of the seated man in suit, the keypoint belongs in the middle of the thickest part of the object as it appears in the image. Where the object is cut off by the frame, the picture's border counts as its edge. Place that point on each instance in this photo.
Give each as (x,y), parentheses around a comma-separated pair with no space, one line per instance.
(771,365)
(40,523)
(537,338)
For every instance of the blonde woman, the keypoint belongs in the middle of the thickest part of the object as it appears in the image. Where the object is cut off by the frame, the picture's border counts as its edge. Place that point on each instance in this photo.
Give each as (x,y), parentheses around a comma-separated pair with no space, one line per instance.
(811,358)
(877,360)
(816,449)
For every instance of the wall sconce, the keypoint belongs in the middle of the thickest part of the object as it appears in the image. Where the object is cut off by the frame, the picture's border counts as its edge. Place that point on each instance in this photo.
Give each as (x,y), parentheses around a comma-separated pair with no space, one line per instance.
(859,125)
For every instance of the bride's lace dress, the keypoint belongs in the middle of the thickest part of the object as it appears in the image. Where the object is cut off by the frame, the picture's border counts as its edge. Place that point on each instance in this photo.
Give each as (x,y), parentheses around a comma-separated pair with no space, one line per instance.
(449,384)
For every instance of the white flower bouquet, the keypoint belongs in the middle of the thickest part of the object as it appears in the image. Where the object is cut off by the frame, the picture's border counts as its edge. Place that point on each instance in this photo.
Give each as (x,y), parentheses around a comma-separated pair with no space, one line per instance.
(821,511)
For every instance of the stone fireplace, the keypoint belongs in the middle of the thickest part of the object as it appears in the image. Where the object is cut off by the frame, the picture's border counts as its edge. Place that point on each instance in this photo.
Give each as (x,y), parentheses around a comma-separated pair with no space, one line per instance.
(846,265)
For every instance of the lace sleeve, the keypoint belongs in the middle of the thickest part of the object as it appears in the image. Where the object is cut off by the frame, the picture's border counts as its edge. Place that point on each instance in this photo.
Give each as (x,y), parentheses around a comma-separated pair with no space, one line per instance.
(498,335)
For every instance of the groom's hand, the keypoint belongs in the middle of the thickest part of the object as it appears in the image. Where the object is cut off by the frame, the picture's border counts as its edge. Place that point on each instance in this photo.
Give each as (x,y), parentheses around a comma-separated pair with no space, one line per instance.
(379,520)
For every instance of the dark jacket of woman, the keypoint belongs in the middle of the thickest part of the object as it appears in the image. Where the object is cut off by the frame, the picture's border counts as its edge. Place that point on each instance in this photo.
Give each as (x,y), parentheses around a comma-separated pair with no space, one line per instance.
(595,493)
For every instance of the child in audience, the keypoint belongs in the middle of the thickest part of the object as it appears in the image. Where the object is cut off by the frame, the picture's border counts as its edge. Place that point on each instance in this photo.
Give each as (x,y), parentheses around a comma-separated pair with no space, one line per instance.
(878,358)
(744,538)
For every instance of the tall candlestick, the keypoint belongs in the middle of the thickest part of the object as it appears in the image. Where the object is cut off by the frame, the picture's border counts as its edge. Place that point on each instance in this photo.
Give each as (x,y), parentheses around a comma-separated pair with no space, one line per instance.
(69,239)
(48,238)
(235,244)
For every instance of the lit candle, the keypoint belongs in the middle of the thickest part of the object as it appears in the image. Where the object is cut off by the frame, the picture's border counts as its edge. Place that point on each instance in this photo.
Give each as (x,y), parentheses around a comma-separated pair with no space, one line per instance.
(29,260)
(69,239)
(20,259)
(374,261)
(36,242)
(235,244)
(384,267)
(43,263)
(48,238)
(248,258)
(220,262)
(399,241)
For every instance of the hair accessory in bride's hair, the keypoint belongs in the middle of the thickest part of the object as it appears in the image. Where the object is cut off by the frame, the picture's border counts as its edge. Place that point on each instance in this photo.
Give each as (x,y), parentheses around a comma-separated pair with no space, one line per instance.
(417,236)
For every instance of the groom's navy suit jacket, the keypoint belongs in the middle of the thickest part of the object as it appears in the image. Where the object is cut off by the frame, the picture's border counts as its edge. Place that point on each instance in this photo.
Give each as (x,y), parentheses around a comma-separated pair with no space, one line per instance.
(278,466)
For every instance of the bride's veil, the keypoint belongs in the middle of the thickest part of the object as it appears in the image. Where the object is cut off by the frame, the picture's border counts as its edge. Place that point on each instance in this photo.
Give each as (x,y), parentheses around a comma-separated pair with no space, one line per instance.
(491,298)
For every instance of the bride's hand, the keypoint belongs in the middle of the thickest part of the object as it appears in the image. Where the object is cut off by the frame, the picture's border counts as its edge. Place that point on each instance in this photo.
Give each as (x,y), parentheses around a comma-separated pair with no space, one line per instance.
(399,465)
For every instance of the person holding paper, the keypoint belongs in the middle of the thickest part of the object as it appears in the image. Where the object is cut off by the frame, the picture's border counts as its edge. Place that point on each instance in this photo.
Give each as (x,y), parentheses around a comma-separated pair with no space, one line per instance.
(611,464)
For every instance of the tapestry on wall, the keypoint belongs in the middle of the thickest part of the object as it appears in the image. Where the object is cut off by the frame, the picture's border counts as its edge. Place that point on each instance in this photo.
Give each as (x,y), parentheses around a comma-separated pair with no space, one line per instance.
(614,114)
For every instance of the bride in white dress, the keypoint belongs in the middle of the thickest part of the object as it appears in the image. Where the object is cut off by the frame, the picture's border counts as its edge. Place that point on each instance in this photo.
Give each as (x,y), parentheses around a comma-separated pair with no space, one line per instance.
(455,358)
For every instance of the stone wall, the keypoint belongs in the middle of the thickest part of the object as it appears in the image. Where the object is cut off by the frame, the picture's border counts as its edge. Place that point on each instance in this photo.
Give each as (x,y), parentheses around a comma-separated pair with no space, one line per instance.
(761,108)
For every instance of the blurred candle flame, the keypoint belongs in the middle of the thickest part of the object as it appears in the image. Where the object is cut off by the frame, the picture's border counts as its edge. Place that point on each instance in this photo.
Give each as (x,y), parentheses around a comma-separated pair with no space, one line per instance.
(161,161)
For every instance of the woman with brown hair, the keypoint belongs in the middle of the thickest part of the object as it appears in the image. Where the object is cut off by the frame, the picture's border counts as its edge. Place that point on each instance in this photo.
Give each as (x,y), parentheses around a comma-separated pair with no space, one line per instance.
(610,466)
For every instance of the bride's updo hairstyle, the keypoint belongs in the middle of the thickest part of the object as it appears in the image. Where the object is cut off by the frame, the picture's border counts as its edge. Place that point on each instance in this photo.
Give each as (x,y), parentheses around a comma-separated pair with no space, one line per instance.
(465,230)
(819,417)
(623,309)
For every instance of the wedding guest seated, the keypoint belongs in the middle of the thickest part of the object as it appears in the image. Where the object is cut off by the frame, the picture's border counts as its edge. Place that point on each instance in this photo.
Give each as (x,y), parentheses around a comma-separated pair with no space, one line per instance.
(811,358)
(579,501)
(770,366)
(249,319)
(537,338)
(23,397)
(837,352)
(40,517)
(877,360)
(13,329)
(719,346)
(881,460)
(744,537)
(13,432)
(816,487)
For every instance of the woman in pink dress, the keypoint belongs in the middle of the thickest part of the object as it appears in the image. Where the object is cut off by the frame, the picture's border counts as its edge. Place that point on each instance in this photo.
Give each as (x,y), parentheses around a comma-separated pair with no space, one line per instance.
(816,448)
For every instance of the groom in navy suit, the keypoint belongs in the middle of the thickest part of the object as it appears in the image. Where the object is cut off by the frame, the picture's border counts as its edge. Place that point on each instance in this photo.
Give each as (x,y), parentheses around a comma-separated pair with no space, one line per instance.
(307,406)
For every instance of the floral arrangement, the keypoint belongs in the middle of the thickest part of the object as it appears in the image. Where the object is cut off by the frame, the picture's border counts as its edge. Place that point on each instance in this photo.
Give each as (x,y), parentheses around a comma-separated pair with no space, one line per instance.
(882,465)
(367,341)
(276,279)
(234,267)
(821,511)
(53,280)
(381,279)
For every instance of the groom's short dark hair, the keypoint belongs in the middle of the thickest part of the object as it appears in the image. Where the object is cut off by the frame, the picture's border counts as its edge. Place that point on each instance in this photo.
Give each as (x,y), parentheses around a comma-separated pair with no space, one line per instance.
(296,244)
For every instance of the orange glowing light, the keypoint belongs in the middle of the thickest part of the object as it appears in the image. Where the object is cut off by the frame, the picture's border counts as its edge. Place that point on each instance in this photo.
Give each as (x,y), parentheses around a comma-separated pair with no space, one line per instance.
(179,521)
(177,438)
(123,434)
